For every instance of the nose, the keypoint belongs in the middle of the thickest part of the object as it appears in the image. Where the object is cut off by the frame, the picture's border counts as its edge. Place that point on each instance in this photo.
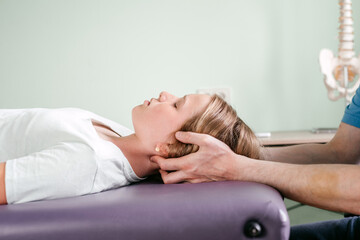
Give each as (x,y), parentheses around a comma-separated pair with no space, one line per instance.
(165,96)
(154,99)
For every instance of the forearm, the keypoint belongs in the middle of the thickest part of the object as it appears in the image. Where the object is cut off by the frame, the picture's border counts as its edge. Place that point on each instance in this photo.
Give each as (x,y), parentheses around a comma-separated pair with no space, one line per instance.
(302,154)
(334,187)
(2,184)
(343,148)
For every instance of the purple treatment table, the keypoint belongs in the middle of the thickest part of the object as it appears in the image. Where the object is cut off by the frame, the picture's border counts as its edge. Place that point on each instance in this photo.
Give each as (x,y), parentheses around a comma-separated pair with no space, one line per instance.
(152,210)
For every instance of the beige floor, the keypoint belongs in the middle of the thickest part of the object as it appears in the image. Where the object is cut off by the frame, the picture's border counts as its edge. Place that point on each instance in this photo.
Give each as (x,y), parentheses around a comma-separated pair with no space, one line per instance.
(306,214)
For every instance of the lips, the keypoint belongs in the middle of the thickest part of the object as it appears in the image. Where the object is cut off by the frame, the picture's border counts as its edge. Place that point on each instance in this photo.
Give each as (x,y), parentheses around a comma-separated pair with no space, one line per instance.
(146,103)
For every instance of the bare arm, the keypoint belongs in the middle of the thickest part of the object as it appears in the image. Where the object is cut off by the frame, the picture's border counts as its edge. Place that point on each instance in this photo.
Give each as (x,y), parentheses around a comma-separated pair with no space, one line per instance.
(2,184)
(343,148)
(329,186)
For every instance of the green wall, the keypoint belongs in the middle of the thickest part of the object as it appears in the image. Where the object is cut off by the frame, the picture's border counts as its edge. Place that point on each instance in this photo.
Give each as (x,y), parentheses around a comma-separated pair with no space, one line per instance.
(108,56)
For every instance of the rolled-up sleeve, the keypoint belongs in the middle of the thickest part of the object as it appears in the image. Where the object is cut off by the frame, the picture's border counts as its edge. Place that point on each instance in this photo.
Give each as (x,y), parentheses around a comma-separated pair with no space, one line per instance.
(352,111)
(64,170)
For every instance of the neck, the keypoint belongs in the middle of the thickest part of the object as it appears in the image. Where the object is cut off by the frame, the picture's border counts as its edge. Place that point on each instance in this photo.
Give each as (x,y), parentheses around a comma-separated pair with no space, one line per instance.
(137,155)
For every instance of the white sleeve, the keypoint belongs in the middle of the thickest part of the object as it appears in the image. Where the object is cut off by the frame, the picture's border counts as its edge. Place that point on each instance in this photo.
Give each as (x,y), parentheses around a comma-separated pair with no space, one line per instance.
(65,170)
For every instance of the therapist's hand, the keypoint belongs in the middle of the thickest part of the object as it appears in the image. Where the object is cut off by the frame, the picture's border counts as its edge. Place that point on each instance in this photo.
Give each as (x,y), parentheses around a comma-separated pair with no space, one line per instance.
(212,162)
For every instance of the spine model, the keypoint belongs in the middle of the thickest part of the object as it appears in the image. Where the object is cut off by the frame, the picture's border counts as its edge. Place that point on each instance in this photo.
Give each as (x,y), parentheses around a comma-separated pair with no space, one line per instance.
(341,72)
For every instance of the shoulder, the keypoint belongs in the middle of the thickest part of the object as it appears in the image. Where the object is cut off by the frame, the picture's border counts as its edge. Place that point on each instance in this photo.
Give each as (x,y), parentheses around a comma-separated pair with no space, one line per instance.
(61,114)
(32,112)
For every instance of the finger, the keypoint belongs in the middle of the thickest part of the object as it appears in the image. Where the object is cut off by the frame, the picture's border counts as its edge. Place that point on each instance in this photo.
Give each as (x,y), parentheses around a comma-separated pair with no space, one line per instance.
(172,177)
(170,164)
(198,180)
(163,174)
(193,138)
(156,159)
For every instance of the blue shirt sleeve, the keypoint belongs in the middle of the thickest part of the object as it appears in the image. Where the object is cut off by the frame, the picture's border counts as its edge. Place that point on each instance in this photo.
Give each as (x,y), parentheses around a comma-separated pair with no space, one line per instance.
(352,111)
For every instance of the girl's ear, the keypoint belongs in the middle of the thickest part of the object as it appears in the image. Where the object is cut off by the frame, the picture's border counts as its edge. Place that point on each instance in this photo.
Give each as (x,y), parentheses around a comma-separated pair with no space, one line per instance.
(162,149)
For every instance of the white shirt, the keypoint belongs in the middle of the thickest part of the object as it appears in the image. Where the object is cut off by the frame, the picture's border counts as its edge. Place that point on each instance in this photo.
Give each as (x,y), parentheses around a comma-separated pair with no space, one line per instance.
(57,153)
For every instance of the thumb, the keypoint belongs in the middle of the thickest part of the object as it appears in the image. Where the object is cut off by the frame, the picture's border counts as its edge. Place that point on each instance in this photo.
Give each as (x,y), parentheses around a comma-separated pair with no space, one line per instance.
(199,139)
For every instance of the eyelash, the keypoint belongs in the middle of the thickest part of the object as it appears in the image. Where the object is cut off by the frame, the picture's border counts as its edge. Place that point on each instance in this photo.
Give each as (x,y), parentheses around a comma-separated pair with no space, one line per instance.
(175,105)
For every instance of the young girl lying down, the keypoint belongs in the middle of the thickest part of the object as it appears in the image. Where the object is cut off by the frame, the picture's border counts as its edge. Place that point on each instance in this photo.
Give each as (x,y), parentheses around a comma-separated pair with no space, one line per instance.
(57,153)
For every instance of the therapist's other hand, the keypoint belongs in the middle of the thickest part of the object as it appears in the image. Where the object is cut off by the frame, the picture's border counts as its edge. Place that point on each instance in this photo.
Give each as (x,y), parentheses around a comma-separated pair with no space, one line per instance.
(212,162)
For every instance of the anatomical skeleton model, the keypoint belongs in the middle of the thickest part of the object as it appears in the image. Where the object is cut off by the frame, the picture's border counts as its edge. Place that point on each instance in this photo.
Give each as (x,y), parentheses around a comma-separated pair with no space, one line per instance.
(341,73)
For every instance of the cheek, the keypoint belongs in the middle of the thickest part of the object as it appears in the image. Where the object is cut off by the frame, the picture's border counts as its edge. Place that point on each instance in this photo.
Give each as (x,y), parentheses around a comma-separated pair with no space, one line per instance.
(147,121)
(162,122)
(155,124)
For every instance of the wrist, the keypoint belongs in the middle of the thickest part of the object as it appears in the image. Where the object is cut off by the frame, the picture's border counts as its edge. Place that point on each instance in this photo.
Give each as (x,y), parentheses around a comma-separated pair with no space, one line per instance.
(254,170)
(242,168)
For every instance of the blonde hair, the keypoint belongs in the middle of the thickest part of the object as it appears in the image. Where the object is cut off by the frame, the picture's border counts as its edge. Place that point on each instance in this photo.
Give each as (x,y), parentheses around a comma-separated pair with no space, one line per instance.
(220,121)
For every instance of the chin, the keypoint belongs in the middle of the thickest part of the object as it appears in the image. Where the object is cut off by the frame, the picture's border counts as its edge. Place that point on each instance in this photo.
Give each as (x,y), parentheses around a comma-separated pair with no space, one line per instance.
(135,115)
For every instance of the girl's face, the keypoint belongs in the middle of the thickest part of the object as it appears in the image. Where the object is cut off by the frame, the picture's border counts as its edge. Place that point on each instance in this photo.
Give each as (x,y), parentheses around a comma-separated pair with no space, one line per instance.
(157,120)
